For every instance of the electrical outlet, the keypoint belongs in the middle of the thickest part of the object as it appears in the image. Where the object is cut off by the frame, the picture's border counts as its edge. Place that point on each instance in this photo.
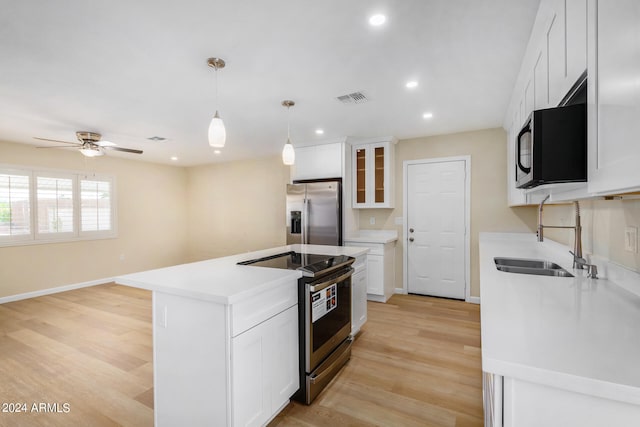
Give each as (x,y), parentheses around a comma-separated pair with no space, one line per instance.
(122,257)
(372,220)
(399,220)
(631,239)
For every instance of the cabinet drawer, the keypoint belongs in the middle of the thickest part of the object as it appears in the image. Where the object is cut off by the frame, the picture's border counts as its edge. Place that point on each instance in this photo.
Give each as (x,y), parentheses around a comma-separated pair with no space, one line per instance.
(262,306)
(374,248)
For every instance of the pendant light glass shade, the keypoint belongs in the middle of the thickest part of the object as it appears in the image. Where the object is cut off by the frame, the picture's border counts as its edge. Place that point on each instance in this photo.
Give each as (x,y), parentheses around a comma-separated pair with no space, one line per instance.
(288,154)
(217,132)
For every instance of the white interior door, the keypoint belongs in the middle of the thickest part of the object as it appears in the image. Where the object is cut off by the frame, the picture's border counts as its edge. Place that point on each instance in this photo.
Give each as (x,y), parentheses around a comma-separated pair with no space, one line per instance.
(436,223)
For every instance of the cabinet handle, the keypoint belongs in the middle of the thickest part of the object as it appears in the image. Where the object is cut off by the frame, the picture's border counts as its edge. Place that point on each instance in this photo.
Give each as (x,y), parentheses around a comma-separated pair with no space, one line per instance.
(411,230)
(411,239)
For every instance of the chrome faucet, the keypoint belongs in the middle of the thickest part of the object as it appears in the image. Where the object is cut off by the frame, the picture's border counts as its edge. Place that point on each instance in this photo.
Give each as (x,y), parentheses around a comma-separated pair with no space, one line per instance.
(578,260)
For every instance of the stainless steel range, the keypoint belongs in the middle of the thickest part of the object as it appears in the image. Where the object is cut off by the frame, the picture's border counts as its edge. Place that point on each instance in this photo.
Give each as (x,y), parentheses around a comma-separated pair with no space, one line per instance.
(324,315)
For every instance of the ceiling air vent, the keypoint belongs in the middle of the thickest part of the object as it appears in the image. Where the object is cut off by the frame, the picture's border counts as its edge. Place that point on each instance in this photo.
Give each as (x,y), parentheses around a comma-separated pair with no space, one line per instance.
(353,98)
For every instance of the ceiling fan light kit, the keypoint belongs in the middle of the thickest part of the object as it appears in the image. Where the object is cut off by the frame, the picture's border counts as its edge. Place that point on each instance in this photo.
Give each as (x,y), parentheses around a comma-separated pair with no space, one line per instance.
(288,153)
(217,131)
(92,152)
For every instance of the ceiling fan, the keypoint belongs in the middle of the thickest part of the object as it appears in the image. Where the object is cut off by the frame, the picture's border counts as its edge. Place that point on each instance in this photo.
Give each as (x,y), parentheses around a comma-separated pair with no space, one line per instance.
(90,144)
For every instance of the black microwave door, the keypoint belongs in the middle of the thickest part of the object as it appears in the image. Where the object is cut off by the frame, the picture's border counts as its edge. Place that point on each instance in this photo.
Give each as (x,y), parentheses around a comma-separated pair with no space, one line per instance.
(524,151)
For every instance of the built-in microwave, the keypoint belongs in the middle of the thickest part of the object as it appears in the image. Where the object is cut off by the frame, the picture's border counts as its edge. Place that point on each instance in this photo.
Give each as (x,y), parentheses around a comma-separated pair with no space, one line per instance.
(552,147)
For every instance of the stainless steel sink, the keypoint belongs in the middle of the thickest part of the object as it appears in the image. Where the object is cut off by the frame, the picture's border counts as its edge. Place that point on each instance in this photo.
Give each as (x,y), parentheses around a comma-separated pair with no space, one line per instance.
(530,266)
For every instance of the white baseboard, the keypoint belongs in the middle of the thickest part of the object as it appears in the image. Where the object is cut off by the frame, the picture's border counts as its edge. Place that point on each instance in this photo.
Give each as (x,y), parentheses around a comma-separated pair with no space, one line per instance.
(402,291)
(473,300)
(56,290)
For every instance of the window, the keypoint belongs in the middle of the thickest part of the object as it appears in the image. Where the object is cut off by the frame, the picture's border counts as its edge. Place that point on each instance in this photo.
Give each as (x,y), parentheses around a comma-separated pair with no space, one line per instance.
(51,206)
(95,205)
(15,205)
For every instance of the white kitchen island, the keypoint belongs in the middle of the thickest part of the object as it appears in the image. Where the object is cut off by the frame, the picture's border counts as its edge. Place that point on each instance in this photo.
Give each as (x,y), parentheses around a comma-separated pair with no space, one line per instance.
(558,351)
(225,338)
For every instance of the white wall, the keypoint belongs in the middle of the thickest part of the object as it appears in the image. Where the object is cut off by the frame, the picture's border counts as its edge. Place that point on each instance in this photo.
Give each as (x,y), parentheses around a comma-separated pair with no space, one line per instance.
(152,218)
(489,210)
(603,225)
(236,207)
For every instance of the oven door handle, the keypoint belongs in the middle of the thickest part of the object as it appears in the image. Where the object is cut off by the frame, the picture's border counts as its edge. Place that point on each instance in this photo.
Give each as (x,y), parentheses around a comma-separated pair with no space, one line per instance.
(321,286)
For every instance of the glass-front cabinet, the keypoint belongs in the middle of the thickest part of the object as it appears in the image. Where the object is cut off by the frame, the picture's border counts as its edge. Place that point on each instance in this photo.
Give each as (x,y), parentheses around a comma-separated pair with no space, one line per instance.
(373,174)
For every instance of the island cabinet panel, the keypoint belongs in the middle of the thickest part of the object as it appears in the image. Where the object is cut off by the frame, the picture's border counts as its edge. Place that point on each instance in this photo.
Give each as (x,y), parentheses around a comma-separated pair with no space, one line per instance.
(190,362)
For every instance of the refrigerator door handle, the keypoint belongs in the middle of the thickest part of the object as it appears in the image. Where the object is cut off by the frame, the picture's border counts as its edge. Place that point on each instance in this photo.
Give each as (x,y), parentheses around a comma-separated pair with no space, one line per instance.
(305,221)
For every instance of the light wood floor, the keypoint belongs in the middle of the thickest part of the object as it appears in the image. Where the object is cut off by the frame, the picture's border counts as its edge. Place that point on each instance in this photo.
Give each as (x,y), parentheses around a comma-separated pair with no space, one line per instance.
(415,363)
(90,348)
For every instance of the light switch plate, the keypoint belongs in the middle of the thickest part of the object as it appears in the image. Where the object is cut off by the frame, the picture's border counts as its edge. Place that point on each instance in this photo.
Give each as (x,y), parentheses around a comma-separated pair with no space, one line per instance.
(631,239)
(372,220)
(399,220)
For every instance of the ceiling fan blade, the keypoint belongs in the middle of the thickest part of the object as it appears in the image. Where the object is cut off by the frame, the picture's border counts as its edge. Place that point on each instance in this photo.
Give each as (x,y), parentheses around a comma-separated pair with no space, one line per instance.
(55,140)
(105,144)
(59,146)
(126,150)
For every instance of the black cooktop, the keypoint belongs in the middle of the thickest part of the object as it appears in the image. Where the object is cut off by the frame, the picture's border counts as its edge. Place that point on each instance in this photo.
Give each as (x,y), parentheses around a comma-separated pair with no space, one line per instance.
(309,264)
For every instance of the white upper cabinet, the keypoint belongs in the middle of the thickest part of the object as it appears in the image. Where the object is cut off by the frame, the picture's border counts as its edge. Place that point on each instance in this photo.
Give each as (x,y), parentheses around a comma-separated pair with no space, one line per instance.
(614,96)
(555,59)
(372,166)
(319,161)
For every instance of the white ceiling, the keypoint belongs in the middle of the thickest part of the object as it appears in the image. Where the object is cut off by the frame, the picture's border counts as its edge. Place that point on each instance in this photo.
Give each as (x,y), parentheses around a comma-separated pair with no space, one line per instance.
(136,69)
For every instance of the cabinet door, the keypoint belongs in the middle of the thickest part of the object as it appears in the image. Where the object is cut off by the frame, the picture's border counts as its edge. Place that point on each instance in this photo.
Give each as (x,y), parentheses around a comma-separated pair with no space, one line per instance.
(360,176)
(264,371)
(358,300)
(318,162)
(375,274)
(576,21)
(283,373)
(251,397)
(556,53)
(372,175)
(540,83)
(614,152)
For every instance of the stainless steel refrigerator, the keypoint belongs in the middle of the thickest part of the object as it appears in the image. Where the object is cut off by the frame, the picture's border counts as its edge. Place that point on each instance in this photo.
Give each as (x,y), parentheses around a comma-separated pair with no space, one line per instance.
(314,212)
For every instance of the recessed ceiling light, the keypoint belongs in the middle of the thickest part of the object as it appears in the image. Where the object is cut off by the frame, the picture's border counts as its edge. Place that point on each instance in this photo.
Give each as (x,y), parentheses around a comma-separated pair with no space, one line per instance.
(157,138)
(377,20)
(427,115)
(319,132)
(216,152)
(174,158)
(411,84)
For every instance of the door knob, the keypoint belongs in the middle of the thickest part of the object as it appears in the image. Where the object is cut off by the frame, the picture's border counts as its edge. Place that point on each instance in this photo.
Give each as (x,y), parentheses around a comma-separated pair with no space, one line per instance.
(411,230)
(411,239)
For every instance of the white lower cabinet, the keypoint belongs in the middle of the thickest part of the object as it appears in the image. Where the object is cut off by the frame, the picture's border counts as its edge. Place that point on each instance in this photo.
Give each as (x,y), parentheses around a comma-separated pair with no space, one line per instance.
(359,294)
(225,364)
(381,260)
(510,402)
(264,369)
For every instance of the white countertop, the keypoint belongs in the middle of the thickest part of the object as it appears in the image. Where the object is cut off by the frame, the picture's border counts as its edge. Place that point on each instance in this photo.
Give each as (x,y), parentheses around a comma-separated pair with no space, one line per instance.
(373,236)
(221,280)
(575,333)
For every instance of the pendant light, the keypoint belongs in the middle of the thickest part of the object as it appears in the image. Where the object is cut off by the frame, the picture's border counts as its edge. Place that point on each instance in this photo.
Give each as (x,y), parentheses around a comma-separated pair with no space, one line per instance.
(288,154)
(217,132)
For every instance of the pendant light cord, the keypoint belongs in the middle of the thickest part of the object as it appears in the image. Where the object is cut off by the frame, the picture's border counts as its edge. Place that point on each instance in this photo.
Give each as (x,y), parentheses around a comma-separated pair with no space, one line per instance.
(216,81)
